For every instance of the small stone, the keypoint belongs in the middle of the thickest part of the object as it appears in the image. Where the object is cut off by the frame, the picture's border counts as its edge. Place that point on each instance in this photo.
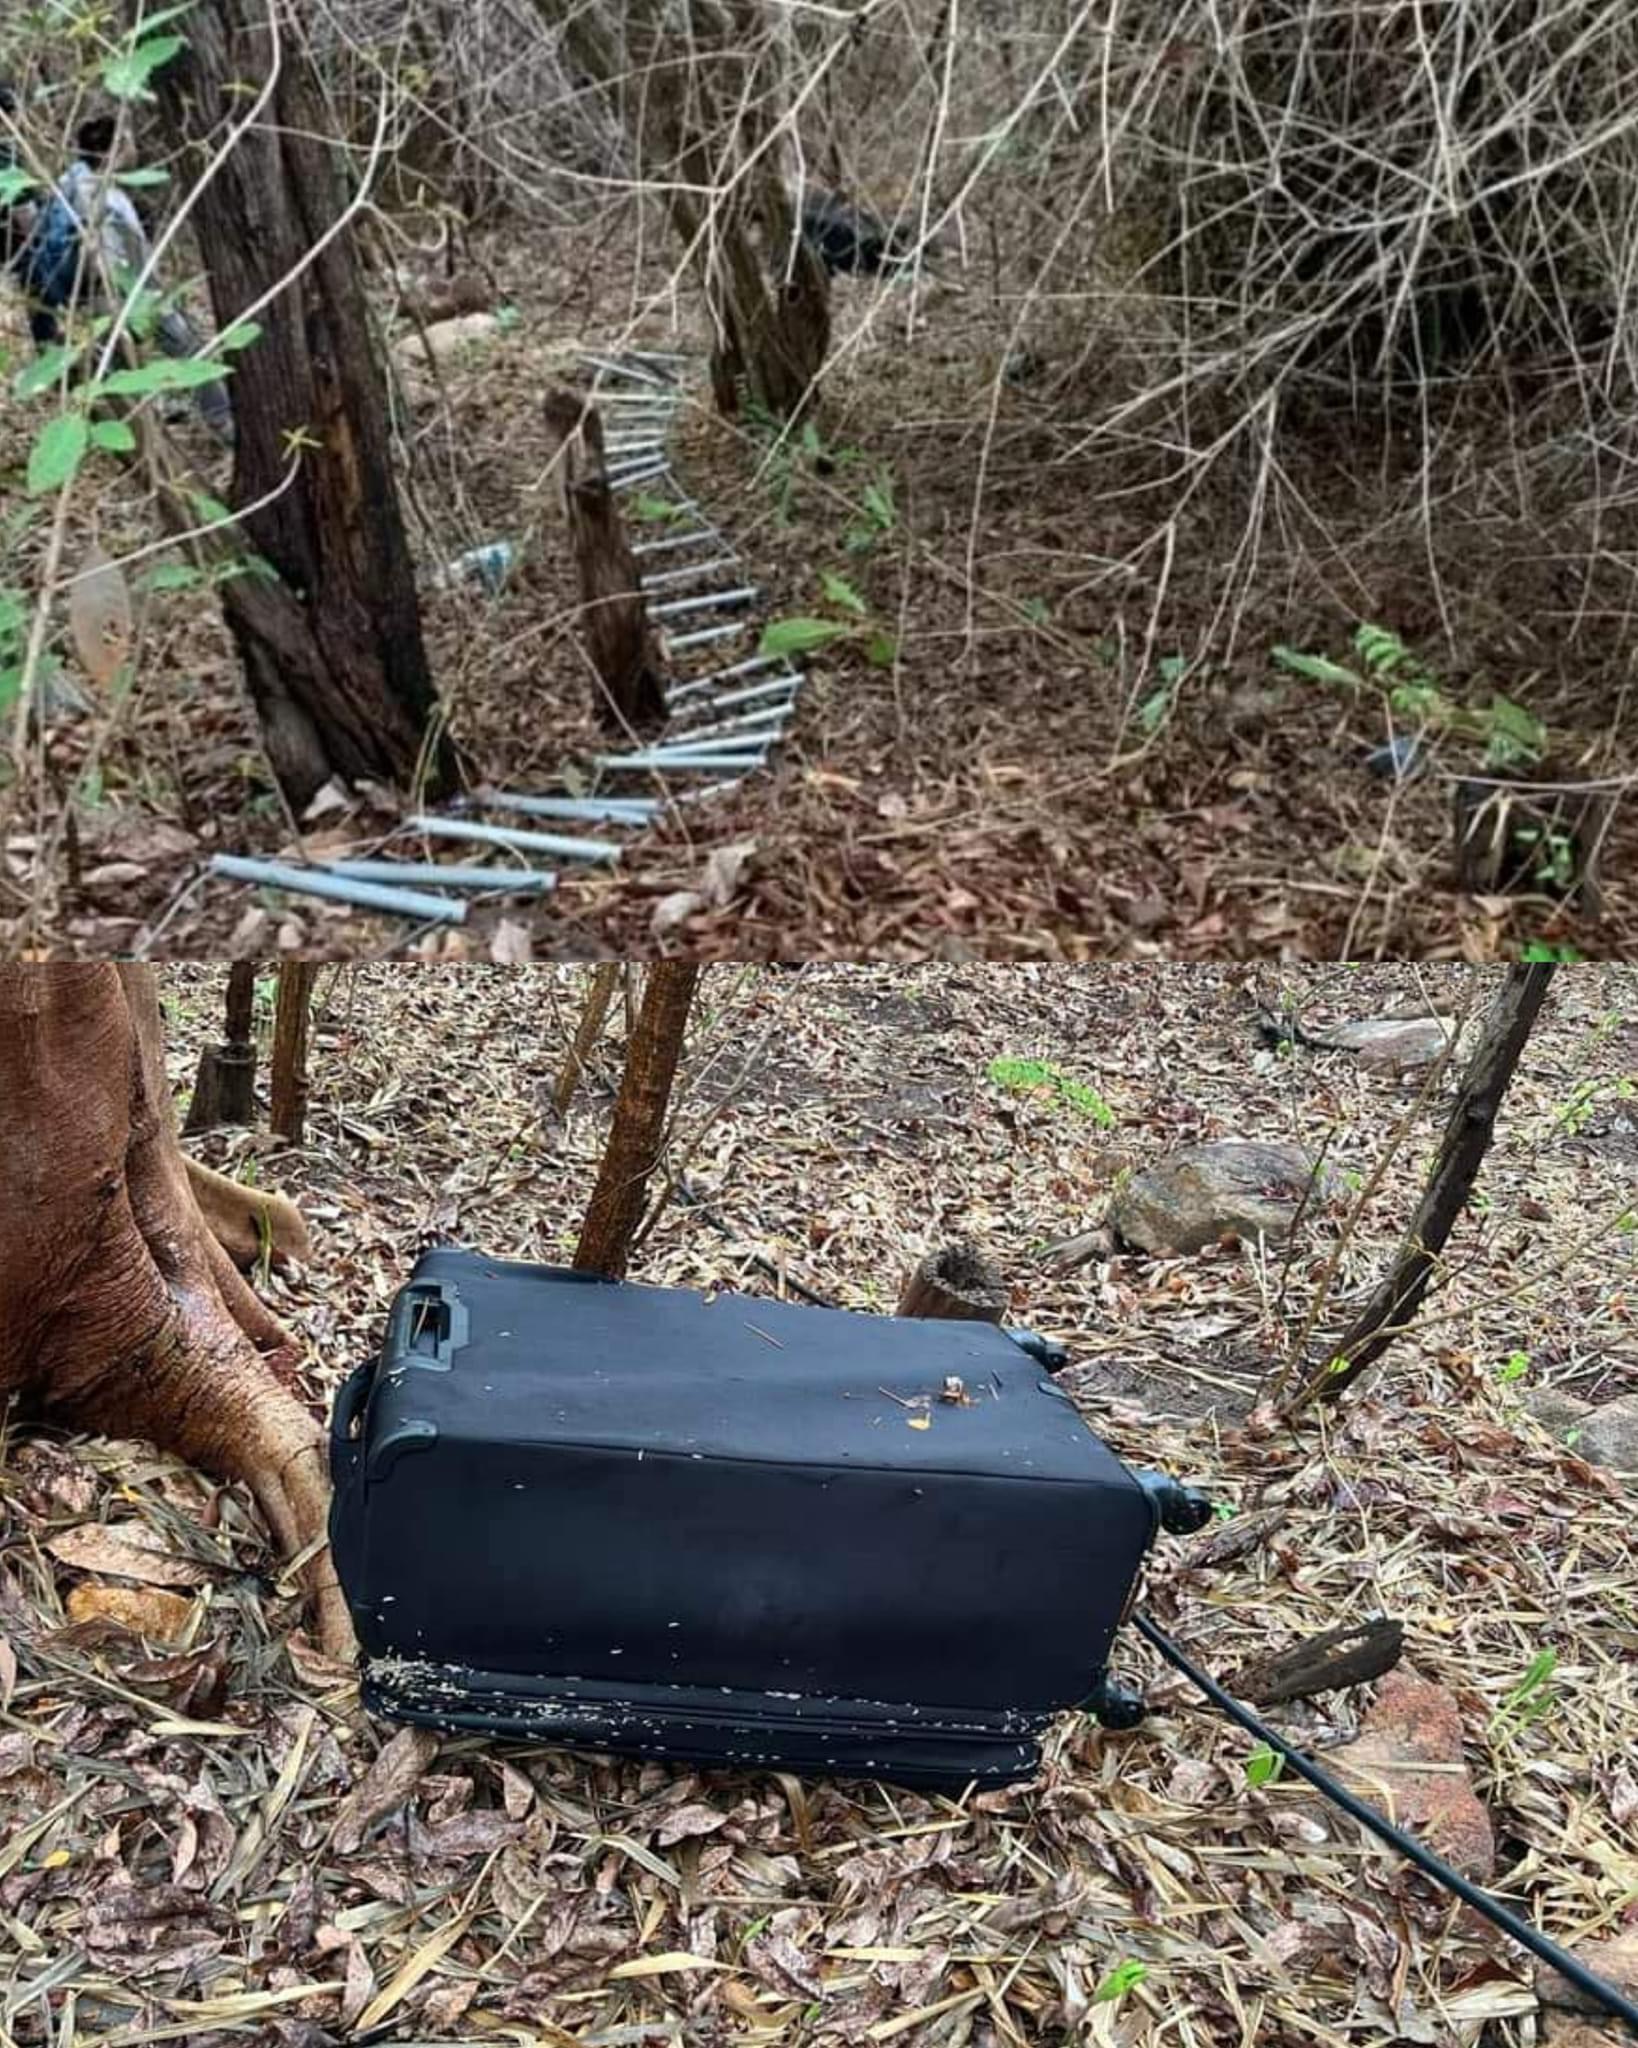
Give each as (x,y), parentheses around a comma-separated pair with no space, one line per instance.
(1414,1721)
(1390,1043)
(1557,1410)
(1609,1436)
(1615,1960)
(1200,1194)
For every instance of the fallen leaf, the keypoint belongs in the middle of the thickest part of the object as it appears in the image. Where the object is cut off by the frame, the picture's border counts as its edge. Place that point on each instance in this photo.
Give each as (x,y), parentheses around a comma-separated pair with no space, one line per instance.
(511,945)
(725,870)
(8,1674)
(660,1965)
(99,617)
(674,910)
(125,1550)
(161,1617)
(331,798)
(384,1786)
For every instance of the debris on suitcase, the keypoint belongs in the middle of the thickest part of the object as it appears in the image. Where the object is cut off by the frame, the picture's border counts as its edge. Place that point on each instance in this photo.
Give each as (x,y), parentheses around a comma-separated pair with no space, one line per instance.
(730,1531)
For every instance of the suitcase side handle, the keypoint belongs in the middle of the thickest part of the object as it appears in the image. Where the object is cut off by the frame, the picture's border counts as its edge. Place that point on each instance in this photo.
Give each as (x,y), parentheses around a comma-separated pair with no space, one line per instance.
(429,1323)
(351,1396)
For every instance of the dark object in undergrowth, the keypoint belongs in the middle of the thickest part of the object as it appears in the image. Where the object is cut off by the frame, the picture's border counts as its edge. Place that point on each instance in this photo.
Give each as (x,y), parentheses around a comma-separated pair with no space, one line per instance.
(1529,836)
(729,1531)
(1395,759)
(1341,1656)
(848,237)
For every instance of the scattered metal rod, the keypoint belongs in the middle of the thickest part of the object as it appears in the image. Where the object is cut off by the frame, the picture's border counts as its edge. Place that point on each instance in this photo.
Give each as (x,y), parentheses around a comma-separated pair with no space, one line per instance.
(752,665)
(662,761)
(657,355)
(667,577)
(499,881)
(624,479)
(614,810)
(782,687)
(705,601)
(275,874)
(635,371)
(521,842)
(704,636)
(774,715)
(679,540)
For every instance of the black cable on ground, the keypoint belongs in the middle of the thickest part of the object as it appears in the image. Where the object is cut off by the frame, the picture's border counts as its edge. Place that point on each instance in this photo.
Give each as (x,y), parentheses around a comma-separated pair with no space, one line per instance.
(1612,1999)
(1596,1987)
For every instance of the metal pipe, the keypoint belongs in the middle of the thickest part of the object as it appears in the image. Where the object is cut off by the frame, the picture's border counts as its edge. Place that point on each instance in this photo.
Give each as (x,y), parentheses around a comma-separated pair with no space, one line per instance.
(705,635)
(522,842)
(614,810)
(751,666)
(784,686)
(679,540)
(686,575)
(707,600)
(499,881)
(275,874)
(623,369)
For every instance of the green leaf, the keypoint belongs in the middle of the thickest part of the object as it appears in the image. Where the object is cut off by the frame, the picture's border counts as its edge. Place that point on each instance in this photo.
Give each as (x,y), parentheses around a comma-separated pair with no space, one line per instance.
(114,436)
(1124,1977)
(881,650)
(799,636)
(15,184)
(238,336)
(139,180)
(651,509)
(1514,1366)
(48,368)
(1152,711)
(1264,1765)
(839,591)
(878,502)
(1036,610)
(164,373)
(172,576)
(58,451)
(1316,669)
(207,510)
(126,76)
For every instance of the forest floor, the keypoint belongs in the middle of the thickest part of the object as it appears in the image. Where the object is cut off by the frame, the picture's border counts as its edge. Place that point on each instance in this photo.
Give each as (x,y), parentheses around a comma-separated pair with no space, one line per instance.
(205,1841)
(1051,767)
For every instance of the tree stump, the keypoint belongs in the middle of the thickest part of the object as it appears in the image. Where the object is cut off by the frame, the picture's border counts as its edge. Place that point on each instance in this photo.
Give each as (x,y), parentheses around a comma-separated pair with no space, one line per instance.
(1530,837)
(224,1089)
(290,1018)
(958,1283)
(618,639)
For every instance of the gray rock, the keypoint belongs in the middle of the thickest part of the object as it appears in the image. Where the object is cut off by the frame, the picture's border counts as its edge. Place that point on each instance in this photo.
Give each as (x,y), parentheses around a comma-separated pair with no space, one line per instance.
(1390,1042)
(1609,1436)
(1200,1193)
(1557,1411)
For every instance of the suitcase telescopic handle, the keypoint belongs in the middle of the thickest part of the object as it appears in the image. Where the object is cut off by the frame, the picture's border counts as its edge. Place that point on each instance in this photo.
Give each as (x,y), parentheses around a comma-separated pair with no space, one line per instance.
(427,1326)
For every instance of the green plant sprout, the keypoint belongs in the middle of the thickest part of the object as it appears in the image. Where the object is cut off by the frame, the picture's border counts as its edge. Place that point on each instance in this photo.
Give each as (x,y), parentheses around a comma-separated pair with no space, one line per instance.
(1264,1765)
(806,633)
(1041,1077)
(1125,1976)
(1532,1697)
(1512,737)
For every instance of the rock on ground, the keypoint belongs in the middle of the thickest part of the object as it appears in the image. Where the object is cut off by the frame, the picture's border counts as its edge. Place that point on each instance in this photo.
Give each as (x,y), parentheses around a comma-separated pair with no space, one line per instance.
(1413,1721)
(1557,1411)
(1233,1187)
(1391,1042)
(1615,1960)
(1609,1436)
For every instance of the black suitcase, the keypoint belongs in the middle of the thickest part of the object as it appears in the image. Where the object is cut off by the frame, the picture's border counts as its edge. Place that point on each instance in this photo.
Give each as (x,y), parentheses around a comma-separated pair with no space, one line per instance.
(727,1530)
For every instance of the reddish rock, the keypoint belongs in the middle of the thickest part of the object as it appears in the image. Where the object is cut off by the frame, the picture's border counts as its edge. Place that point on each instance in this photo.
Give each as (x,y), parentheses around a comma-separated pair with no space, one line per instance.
(1414,1721)
(1615,1960)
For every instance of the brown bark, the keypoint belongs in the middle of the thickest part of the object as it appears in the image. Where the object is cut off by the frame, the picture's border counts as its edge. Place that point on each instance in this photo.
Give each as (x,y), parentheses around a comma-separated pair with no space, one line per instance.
(123,1314)
(700,92)
(331,643)
(958,1283)
(1349,1655)
(605,980)
(1393,1306)
(633,1148)
(224,1089)
(623,653)
(291,1010)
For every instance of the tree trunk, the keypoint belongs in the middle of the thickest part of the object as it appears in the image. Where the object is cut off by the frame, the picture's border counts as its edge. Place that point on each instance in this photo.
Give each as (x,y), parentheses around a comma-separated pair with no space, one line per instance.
(605,980)
(123,1314)
(623,654)
(1394,1304)
(224,1089)
(291,1011)
(331,643)
(957,1282)
(633,1149)
(709,99)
